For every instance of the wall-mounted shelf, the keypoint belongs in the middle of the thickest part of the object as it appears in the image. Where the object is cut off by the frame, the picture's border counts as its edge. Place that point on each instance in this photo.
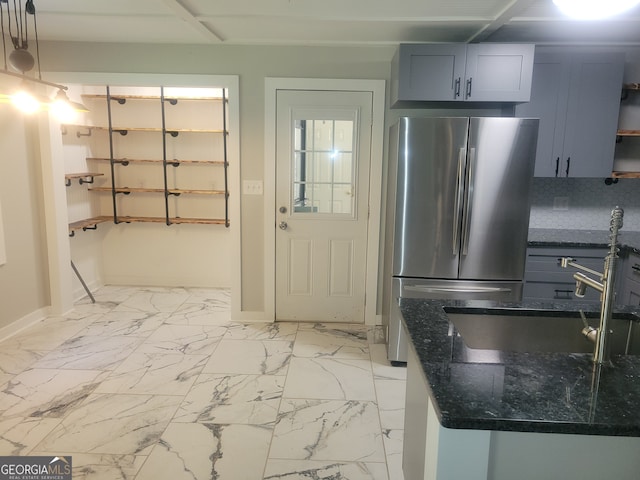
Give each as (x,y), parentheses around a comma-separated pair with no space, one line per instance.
(121,99)
(173,162)
(172,191)
(82,177)
(626,88)
(174,132)
(204,117)
(92,223)
(628,133)
(625,174)
(87,224)
(173,220)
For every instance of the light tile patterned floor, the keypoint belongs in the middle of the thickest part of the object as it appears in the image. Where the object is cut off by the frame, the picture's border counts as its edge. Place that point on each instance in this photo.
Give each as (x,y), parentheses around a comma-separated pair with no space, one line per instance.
(158,383)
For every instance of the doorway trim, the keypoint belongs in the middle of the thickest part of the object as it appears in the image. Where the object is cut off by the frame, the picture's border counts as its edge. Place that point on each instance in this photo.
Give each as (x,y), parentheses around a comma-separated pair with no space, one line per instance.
(377,87)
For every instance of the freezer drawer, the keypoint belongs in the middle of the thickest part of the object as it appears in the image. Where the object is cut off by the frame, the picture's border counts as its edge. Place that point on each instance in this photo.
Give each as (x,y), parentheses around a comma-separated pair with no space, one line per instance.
(397,341)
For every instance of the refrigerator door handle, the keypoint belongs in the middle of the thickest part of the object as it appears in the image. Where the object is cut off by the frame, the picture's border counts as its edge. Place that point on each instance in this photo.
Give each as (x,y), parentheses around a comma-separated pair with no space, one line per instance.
(468,201)
(457,208)
(432,289)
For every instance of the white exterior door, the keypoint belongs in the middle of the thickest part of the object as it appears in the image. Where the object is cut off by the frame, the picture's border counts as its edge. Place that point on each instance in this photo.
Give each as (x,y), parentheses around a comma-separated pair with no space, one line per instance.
(323,156)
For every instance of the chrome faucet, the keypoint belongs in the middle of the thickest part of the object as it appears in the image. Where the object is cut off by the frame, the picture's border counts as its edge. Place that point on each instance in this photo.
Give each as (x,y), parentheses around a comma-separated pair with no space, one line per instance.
(605,285)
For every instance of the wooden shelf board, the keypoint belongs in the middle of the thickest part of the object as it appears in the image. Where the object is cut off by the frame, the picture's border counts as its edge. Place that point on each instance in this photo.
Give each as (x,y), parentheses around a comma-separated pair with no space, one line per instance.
(167,130)
(82,175)
(176,220)
(88,222)
(625,174)
(148,97)
(158,190)
(628,133)
(149,160)
(145,129)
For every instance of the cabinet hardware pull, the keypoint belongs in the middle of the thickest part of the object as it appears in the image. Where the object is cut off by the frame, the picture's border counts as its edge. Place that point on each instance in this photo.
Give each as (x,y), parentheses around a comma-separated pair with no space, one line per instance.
(557,165)
(456,93)
(568,165)
(564,294)
(469,87)
(636,268)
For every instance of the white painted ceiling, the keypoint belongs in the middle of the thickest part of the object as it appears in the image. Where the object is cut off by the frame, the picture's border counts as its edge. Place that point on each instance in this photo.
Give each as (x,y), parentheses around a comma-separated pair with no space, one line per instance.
(323,22)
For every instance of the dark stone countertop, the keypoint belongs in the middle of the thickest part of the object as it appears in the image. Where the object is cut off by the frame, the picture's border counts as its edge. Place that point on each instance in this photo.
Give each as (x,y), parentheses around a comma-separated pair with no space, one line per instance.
(525,392)
(548,237)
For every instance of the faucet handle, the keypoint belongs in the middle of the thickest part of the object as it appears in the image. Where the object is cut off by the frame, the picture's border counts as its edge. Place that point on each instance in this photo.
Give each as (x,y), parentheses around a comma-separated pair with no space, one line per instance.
(565,261)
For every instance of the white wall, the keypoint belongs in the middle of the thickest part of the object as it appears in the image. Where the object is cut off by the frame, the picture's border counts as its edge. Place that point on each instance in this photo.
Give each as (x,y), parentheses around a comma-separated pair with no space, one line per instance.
(24,286)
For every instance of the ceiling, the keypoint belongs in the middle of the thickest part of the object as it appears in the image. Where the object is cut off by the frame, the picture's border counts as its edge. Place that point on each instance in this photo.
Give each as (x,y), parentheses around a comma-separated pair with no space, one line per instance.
(325,22)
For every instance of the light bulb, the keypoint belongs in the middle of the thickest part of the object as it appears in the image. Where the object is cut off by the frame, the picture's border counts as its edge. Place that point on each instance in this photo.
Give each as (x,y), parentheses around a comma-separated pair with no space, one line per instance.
(25,101)
(594,9)
(63,111)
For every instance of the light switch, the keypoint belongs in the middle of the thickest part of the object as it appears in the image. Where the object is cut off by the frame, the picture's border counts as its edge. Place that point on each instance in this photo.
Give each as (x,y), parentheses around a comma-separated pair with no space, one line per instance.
(252,187)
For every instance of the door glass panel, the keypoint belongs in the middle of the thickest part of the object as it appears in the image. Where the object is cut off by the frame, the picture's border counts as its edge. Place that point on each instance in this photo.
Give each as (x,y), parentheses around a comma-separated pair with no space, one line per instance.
(323,167)
(342,167)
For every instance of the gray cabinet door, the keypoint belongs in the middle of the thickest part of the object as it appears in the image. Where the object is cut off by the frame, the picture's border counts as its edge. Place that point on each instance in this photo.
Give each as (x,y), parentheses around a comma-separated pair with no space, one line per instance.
(498,72)
(577,98)
(629,280)
(429,72)
(549,98)
(460,72)
(592,116)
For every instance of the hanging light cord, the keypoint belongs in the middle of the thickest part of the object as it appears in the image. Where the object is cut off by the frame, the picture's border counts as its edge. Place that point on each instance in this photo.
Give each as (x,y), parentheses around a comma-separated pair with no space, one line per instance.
(17,11)
(4,43)
(30,8)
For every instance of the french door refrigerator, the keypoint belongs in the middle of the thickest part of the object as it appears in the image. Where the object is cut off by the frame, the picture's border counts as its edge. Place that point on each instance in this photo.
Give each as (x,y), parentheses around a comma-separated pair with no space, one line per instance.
(457,212)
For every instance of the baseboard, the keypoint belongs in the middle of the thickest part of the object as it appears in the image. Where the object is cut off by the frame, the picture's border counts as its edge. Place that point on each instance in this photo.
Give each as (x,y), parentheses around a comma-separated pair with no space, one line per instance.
(28,320)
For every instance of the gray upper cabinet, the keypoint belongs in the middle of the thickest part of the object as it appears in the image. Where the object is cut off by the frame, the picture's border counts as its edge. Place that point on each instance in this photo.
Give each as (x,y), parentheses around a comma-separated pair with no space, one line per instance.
(577,98)
(481,72)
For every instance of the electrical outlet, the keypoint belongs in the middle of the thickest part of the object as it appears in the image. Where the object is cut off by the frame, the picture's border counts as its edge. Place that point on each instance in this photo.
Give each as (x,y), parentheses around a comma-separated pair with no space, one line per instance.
(561,203)
(252,187)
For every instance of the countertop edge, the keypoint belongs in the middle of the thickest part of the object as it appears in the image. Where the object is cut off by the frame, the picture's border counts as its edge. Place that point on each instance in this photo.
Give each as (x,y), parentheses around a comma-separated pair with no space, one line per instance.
(527,425)
(629,241)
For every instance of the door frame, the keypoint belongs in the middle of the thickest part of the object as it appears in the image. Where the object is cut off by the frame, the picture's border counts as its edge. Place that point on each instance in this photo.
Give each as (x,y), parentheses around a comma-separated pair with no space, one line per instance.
(377,88)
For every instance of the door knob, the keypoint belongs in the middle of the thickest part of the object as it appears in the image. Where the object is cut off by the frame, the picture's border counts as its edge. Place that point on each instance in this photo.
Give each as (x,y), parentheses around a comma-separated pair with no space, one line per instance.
(282,209)
(283,225)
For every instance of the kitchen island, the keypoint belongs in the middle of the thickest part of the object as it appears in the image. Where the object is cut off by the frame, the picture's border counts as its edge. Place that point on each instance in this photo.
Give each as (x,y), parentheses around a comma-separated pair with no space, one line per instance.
(491,414)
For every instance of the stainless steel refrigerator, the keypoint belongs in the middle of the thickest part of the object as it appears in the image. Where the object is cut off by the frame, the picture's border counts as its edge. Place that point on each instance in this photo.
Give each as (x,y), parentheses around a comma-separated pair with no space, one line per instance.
(457,212)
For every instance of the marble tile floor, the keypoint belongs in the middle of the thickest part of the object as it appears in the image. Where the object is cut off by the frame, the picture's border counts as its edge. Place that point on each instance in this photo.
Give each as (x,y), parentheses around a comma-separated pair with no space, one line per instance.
(158,383)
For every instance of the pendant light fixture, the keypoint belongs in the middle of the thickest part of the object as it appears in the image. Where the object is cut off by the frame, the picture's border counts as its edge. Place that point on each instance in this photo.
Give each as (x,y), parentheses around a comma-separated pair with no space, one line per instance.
(594,9)
(15,14)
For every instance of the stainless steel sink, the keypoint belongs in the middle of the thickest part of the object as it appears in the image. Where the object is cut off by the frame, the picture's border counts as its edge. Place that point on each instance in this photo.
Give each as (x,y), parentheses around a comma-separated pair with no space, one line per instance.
(540,332)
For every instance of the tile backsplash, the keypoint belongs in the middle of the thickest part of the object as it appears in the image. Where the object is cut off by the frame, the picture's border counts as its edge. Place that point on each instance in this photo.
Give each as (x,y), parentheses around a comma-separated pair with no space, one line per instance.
(583,203)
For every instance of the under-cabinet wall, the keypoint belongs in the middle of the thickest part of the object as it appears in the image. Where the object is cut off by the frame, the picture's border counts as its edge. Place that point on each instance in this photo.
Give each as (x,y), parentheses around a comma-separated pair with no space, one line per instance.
(583,203)
(148,189)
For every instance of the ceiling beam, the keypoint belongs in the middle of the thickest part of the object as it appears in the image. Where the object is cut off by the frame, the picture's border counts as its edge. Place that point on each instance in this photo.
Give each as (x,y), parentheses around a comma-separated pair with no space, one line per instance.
(513,9)
(190,18)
